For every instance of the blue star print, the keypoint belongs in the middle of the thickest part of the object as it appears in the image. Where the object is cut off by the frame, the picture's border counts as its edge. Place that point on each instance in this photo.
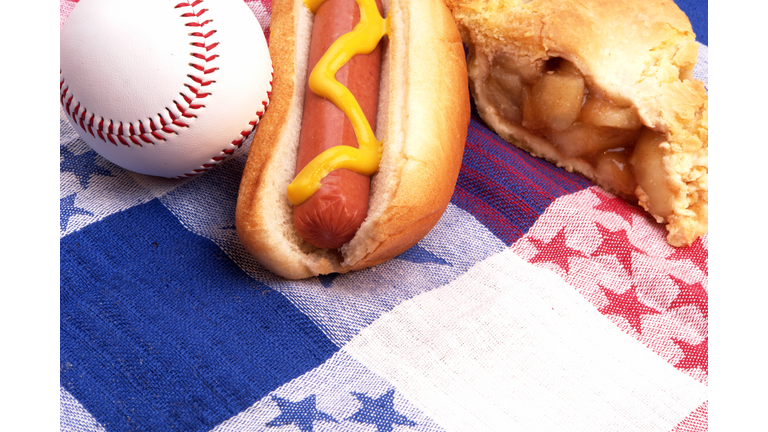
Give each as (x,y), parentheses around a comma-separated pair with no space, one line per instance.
(380,412)
(67,209)
(418,255)
(82,166)
(302,414)
(327,280)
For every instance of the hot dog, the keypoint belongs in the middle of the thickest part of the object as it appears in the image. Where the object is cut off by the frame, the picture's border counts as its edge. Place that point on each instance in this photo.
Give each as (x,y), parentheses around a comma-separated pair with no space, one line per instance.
(411,161)
(332,215)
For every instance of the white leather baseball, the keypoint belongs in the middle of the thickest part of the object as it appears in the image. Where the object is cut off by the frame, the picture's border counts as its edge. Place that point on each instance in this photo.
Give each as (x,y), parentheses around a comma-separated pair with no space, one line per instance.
(164,87)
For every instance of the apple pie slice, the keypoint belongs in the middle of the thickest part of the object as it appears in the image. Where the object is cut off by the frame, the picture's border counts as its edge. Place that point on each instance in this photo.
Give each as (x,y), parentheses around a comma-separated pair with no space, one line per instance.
(602,87)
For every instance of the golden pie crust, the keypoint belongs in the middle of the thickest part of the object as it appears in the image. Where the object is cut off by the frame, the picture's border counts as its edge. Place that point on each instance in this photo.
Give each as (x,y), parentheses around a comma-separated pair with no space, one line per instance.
(634,57)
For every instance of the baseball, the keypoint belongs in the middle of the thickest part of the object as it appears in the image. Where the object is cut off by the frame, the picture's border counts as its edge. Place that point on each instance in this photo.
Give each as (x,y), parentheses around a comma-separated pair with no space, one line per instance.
(164,87)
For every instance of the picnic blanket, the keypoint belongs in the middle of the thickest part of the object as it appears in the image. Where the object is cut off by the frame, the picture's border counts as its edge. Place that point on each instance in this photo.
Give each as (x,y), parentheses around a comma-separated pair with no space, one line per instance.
(538,302)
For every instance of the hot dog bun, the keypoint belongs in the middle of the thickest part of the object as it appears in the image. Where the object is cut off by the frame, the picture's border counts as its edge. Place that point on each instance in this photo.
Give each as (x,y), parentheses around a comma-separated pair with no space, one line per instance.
(423,118)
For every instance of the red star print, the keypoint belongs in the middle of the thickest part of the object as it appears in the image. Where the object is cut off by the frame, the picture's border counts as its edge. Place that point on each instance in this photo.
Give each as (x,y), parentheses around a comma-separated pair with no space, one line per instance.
(555,251)
(691,294)
(696,253)
(626,305)
(615,205)
(696,356)
(616,243)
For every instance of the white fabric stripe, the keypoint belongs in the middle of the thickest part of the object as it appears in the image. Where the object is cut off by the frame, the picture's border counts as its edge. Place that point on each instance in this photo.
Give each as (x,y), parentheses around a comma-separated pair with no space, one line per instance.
(701,69)
(73,417)
(511,345)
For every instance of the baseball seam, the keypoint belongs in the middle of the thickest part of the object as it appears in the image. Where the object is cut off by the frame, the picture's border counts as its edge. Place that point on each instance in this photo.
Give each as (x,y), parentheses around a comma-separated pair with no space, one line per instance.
(238,142)
(235,144)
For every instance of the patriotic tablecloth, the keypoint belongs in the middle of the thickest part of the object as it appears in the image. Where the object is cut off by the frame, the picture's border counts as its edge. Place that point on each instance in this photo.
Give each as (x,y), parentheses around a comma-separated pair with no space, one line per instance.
(538,302)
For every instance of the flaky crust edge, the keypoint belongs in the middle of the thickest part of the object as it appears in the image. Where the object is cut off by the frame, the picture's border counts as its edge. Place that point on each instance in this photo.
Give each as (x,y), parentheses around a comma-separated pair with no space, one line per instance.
(417,174)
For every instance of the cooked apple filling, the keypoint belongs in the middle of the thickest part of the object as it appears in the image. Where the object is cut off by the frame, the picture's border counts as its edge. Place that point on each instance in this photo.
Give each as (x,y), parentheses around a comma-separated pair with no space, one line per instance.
(553,100)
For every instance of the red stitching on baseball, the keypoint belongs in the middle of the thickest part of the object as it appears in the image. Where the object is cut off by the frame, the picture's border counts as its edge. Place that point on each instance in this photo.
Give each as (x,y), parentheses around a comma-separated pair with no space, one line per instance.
(204,36)
(200,81)
(78,113)
(202,57)
(197,24)
(203,69)
(90,125)
(192,14)
(202,45)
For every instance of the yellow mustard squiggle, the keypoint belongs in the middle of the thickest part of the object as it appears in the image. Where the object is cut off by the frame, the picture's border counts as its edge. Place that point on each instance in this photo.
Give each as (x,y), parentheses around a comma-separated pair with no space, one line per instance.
(322,81)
